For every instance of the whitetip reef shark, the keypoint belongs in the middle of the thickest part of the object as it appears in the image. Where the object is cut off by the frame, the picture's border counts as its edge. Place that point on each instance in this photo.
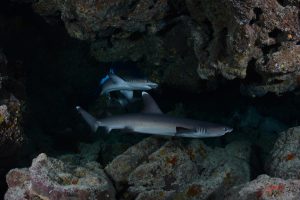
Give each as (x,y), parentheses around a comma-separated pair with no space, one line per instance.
(152,121)
(112,82)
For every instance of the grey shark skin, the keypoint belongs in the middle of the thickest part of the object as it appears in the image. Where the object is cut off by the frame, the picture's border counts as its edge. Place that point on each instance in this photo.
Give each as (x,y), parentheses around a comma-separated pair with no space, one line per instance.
(126,87)
(152,121)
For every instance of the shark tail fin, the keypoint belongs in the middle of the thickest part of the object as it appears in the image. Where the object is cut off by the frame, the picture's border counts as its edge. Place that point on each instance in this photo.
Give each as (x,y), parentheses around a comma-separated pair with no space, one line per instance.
(92,121)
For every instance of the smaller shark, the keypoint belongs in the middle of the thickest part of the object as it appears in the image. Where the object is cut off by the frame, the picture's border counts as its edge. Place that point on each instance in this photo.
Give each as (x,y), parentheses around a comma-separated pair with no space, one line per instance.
(153,121)
(112,82)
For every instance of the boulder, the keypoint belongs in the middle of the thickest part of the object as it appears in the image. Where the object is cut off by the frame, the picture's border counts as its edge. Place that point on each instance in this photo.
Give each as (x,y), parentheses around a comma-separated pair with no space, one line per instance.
(50,178)
(180,169)
(284,159)
(266,188)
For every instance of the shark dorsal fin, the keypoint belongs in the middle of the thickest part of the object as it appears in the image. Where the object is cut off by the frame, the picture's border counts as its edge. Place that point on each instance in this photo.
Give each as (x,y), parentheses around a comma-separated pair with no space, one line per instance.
(150,105)
(116,79)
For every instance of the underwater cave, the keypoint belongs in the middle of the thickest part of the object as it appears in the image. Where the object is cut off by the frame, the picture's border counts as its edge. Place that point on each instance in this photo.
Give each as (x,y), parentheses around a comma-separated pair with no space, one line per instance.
(55,56)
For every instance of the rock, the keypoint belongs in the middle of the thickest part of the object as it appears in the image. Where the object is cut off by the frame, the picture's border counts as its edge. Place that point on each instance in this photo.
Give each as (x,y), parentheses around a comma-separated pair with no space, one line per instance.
(87,153)
(252,119)
(180,169)
(12,136)
(257,41)
(267,188)
(163,58)
(258,129)
(51,178)
(250,40)
(168,168)
(270,126)
(18,181)
(120,168)
(93,19)
(156,195)
(222,169)
(284,159)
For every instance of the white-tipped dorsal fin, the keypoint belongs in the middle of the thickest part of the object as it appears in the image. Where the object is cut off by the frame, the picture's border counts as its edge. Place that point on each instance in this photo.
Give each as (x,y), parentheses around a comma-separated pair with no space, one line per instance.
(116,79)
(150,105)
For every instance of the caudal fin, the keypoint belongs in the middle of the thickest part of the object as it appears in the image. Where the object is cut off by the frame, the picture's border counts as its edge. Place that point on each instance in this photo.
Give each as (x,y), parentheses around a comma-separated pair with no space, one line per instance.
(92,121)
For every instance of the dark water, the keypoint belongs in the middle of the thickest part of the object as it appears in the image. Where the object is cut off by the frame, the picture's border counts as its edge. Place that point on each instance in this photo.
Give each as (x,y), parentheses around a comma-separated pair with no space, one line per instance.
(60,74)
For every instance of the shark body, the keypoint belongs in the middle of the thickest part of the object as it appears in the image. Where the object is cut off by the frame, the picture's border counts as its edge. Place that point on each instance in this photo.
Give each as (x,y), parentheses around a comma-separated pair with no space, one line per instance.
(126,87)
(152,121)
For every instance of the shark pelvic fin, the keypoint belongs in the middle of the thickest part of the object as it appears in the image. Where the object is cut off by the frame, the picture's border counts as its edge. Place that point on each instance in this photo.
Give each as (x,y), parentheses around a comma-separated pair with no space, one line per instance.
(150,105)
(92,122)
(107,130)
(111,71)
(127,93)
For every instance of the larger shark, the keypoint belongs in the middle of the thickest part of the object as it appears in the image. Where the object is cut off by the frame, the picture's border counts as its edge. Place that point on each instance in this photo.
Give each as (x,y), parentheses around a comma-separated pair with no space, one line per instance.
(153,121)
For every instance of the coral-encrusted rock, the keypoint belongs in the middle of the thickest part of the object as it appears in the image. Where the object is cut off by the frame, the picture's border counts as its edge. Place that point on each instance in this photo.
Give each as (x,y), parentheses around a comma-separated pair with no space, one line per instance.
(253,40)
(91,19)
(18,181)
(188,171)
(284,161)
(169,168)
(220,170)
(156,195)
(51,178)
(11,133)
(11,138)
(256,40)
(266,188)
(87,153)
(120,168)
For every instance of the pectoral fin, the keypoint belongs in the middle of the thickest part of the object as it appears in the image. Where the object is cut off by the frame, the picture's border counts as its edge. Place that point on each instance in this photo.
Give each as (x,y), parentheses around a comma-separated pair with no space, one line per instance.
(183,130)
